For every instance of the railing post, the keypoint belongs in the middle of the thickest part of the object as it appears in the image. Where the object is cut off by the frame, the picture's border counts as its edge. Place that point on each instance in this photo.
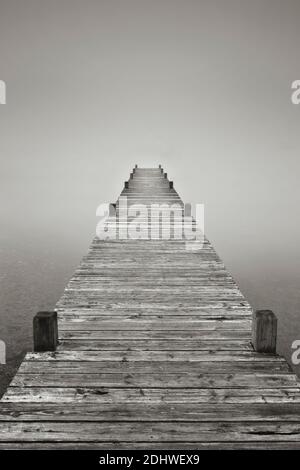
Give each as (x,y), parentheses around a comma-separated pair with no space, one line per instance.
(45,333)
(264,331)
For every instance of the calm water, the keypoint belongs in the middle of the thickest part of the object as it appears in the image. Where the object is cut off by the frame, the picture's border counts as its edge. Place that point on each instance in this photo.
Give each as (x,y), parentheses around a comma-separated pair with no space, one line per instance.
(27,284)
(33,280)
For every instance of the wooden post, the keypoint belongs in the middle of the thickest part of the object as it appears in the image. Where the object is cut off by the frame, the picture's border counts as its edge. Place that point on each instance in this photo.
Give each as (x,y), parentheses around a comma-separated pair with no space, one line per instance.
(264,331)
(133,171)
(159,166)
(45,334)
(171,184)
(165,175)
(136,166)
(126,185)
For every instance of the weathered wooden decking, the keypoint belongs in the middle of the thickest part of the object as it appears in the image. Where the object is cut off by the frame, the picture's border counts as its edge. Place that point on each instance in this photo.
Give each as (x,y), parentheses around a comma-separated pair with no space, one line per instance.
(154,352)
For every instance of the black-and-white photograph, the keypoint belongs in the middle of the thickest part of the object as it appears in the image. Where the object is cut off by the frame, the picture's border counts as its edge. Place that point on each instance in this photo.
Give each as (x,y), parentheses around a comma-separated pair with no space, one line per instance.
(150,227)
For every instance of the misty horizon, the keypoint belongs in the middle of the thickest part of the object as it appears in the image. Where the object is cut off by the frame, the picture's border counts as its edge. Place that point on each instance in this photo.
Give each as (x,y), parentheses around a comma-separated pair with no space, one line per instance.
(202,88)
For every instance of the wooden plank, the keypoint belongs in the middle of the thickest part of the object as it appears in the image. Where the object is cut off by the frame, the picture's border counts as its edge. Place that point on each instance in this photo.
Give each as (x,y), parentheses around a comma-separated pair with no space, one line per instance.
(81,367)
(153,395)
(131,324)
(153,345)
(153,356)
(166,335)
(156,380)
(120,307)
(152,412)
(160,317)
(257,445)
(154,432)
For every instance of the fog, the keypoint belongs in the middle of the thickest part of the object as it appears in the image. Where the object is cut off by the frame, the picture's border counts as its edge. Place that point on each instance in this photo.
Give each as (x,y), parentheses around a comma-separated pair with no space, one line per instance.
(201,87)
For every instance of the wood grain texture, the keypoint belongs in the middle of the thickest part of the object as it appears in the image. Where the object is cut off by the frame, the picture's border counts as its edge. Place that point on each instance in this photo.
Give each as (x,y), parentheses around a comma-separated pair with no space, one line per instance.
(154,352)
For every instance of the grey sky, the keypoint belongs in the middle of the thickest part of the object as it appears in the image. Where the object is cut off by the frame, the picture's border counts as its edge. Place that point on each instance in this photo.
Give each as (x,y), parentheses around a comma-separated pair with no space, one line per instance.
(202,87)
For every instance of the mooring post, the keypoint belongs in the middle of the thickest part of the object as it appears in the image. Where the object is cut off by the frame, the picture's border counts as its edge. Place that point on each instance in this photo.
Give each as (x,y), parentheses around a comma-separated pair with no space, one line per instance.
(264,331)
(171,184)
(45,332)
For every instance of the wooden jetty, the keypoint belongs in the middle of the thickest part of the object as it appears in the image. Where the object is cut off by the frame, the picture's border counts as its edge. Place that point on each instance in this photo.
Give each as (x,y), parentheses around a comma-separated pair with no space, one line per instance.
(155,351)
